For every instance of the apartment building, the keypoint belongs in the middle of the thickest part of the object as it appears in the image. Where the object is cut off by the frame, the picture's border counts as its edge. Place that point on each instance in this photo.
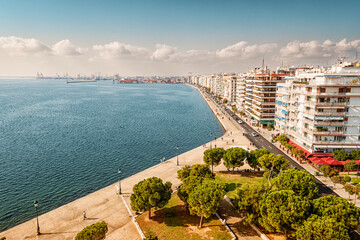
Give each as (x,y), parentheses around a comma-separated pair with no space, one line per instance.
(319,109)
(260,96)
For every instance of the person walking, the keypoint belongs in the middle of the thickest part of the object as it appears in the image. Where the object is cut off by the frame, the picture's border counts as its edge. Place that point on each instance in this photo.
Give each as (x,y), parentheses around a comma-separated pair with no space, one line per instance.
(84,215)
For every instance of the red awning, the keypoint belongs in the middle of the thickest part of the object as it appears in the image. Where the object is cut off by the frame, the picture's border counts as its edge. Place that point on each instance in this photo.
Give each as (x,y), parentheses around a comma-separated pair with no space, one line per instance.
(320,162)
(334,162)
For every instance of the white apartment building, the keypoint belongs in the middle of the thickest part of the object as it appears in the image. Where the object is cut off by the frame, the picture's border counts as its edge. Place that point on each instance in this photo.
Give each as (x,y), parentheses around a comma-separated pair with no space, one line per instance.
(319,109)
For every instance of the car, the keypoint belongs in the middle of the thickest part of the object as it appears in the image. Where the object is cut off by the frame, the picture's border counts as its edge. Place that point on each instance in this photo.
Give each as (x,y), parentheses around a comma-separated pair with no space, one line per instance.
(240,121)
(254,134)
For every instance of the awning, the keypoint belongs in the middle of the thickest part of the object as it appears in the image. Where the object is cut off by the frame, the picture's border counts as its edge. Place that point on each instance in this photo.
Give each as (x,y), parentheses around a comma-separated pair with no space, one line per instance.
(283,112)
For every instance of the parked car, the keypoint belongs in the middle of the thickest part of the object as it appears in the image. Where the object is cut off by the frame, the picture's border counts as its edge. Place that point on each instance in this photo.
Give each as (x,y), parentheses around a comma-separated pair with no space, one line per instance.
(240,121)
(254,134)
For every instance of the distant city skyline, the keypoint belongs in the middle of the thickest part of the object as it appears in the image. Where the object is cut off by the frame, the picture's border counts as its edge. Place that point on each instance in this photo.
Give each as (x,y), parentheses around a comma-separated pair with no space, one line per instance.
(172,37)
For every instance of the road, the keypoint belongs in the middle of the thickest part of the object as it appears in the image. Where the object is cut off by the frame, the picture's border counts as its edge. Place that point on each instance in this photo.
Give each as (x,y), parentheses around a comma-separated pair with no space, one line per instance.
(261,142)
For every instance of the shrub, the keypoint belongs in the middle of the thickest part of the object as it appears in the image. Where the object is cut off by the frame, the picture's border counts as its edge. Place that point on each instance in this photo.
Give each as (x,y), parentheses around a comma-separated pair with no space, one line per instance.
(347,178)
(95,231)
(151,236)
(317,173)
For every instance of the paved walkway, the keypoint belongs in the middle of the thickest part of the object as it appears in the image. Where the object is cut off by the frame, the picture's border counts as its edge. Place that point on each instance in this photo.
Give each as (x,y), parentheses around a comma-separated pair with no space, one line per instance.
(105,205)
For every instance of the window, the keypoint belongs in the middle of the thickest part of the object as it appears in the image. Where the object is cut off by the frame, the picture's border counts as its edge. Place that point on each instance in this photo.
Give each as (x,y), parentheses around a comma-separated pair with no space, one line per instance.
(348,89)
(322,90)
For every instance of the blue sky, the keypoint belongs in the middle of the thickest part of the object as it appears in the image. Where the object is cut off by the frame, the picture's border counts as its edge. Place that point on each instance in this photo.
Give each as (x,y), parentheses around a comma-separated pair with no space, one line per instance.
(183,25)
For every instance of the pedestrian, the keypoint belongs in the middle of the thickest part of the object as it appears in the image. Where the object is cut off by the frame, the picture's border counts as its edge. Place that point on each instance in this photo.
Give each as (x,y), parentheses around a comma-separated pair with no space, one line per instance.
(84,215)
(233,140)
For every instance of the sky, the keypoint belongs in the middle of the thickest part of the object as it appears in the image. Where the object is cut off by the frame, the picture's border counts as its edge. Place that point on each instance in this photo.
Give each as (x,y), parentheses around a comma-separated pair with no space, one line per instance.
(168,37)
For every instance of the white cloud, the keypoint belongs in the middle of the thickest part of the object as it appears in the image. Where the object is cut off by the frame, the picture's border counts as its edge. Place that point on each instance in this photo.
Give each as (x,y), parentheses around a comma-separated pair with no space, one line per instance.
(115,50)
(315,49)
(163,52)
(244,50)
(66,48)
(22,46)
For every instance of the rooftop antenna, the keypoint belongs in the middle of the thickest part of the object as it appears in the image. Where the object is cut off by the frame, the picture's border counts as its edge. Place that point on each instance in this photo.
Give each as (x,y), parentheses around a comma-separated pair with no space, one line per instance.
(263,63)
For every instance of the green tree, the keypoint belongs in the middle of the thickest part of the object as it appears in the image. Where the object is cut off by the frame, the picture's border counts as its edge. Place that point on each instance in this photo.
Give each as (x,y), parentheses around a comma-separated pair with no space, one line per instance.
(322,228)
(282,211)
(350,166)
(205,199)
(355,154)
(148,193)
(191,177)
(328,171)
(340,155)
(349,189)
(248,200)
(273,164)
(95,231)
(282,139)
(254,155)
(339,209)
(234,157)
(213,156)
(301,182)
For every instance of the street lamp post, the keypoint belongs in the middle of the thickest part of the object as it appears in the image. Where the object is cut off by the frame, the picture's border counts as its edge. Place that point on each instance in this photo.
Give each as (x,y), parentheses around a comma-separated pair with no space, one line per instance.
(211,140)
(119,171)
(177,155)
(36,204)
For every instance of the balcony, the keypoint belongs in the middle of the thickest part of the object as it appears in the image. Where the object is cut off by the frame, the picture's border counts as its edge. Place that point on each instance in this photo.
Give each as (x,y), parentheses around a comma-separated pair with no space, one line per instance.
(325,123)
(318,133)
(331,114)
(335,143)
(328,104)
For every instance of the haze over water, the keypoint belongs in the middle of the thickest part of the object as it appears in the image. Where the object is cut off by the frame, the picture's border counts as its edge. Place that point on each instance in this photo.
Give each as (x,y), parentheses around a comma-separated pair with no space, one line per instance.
(59,141)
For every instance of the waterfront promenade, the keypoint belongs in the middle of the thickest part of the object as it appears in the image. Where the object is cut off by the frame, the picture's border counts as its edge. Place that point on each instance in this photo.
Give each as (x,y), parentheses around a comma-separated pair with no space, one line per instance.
(106,205)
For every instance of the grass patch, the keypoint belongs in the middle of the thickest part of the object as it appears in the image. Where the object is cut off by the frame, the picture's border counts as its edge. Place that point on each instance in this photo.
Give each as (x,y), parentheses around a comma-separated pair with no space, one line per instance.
(234,181)
(355,180)
(174,222)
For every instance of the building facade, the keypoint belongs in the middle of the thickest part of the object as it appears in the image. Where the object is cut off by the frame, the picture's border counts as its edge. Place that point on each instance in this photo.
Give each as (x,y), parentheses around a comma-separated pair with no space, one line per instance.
(319,109)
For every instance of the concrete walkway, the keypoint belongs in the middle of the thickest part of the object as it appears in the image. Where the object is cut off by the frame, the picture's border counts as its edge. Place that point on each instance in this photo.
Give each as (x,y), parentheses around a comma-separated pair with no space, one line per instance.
(106,205)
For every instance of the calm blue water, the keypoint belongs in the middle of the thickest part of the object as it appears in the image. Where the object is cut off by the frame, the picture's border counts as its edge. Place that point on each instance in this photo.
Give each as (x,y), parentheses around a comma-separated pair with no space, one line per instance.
(59,141)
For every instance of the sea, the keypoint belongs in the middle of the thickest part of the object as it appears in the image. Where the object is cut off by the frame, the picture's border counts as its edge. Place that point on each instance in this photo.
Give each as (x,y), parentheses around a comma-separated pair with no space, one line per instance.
(60,142)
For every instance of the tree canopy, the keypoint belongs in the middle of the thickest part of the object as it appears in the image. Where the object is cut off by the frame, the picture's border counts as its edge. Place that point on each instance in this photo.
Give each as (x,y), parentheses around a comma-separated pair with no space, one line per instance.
(322,228)
(191,178)
(340,155)
(339,209)
(273,163)
(249,197)
(355,154)
(350,165)
(205,199)
(213,156)
(148,193)
(234,157)
(254,155)
(282,211)
(301,182)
